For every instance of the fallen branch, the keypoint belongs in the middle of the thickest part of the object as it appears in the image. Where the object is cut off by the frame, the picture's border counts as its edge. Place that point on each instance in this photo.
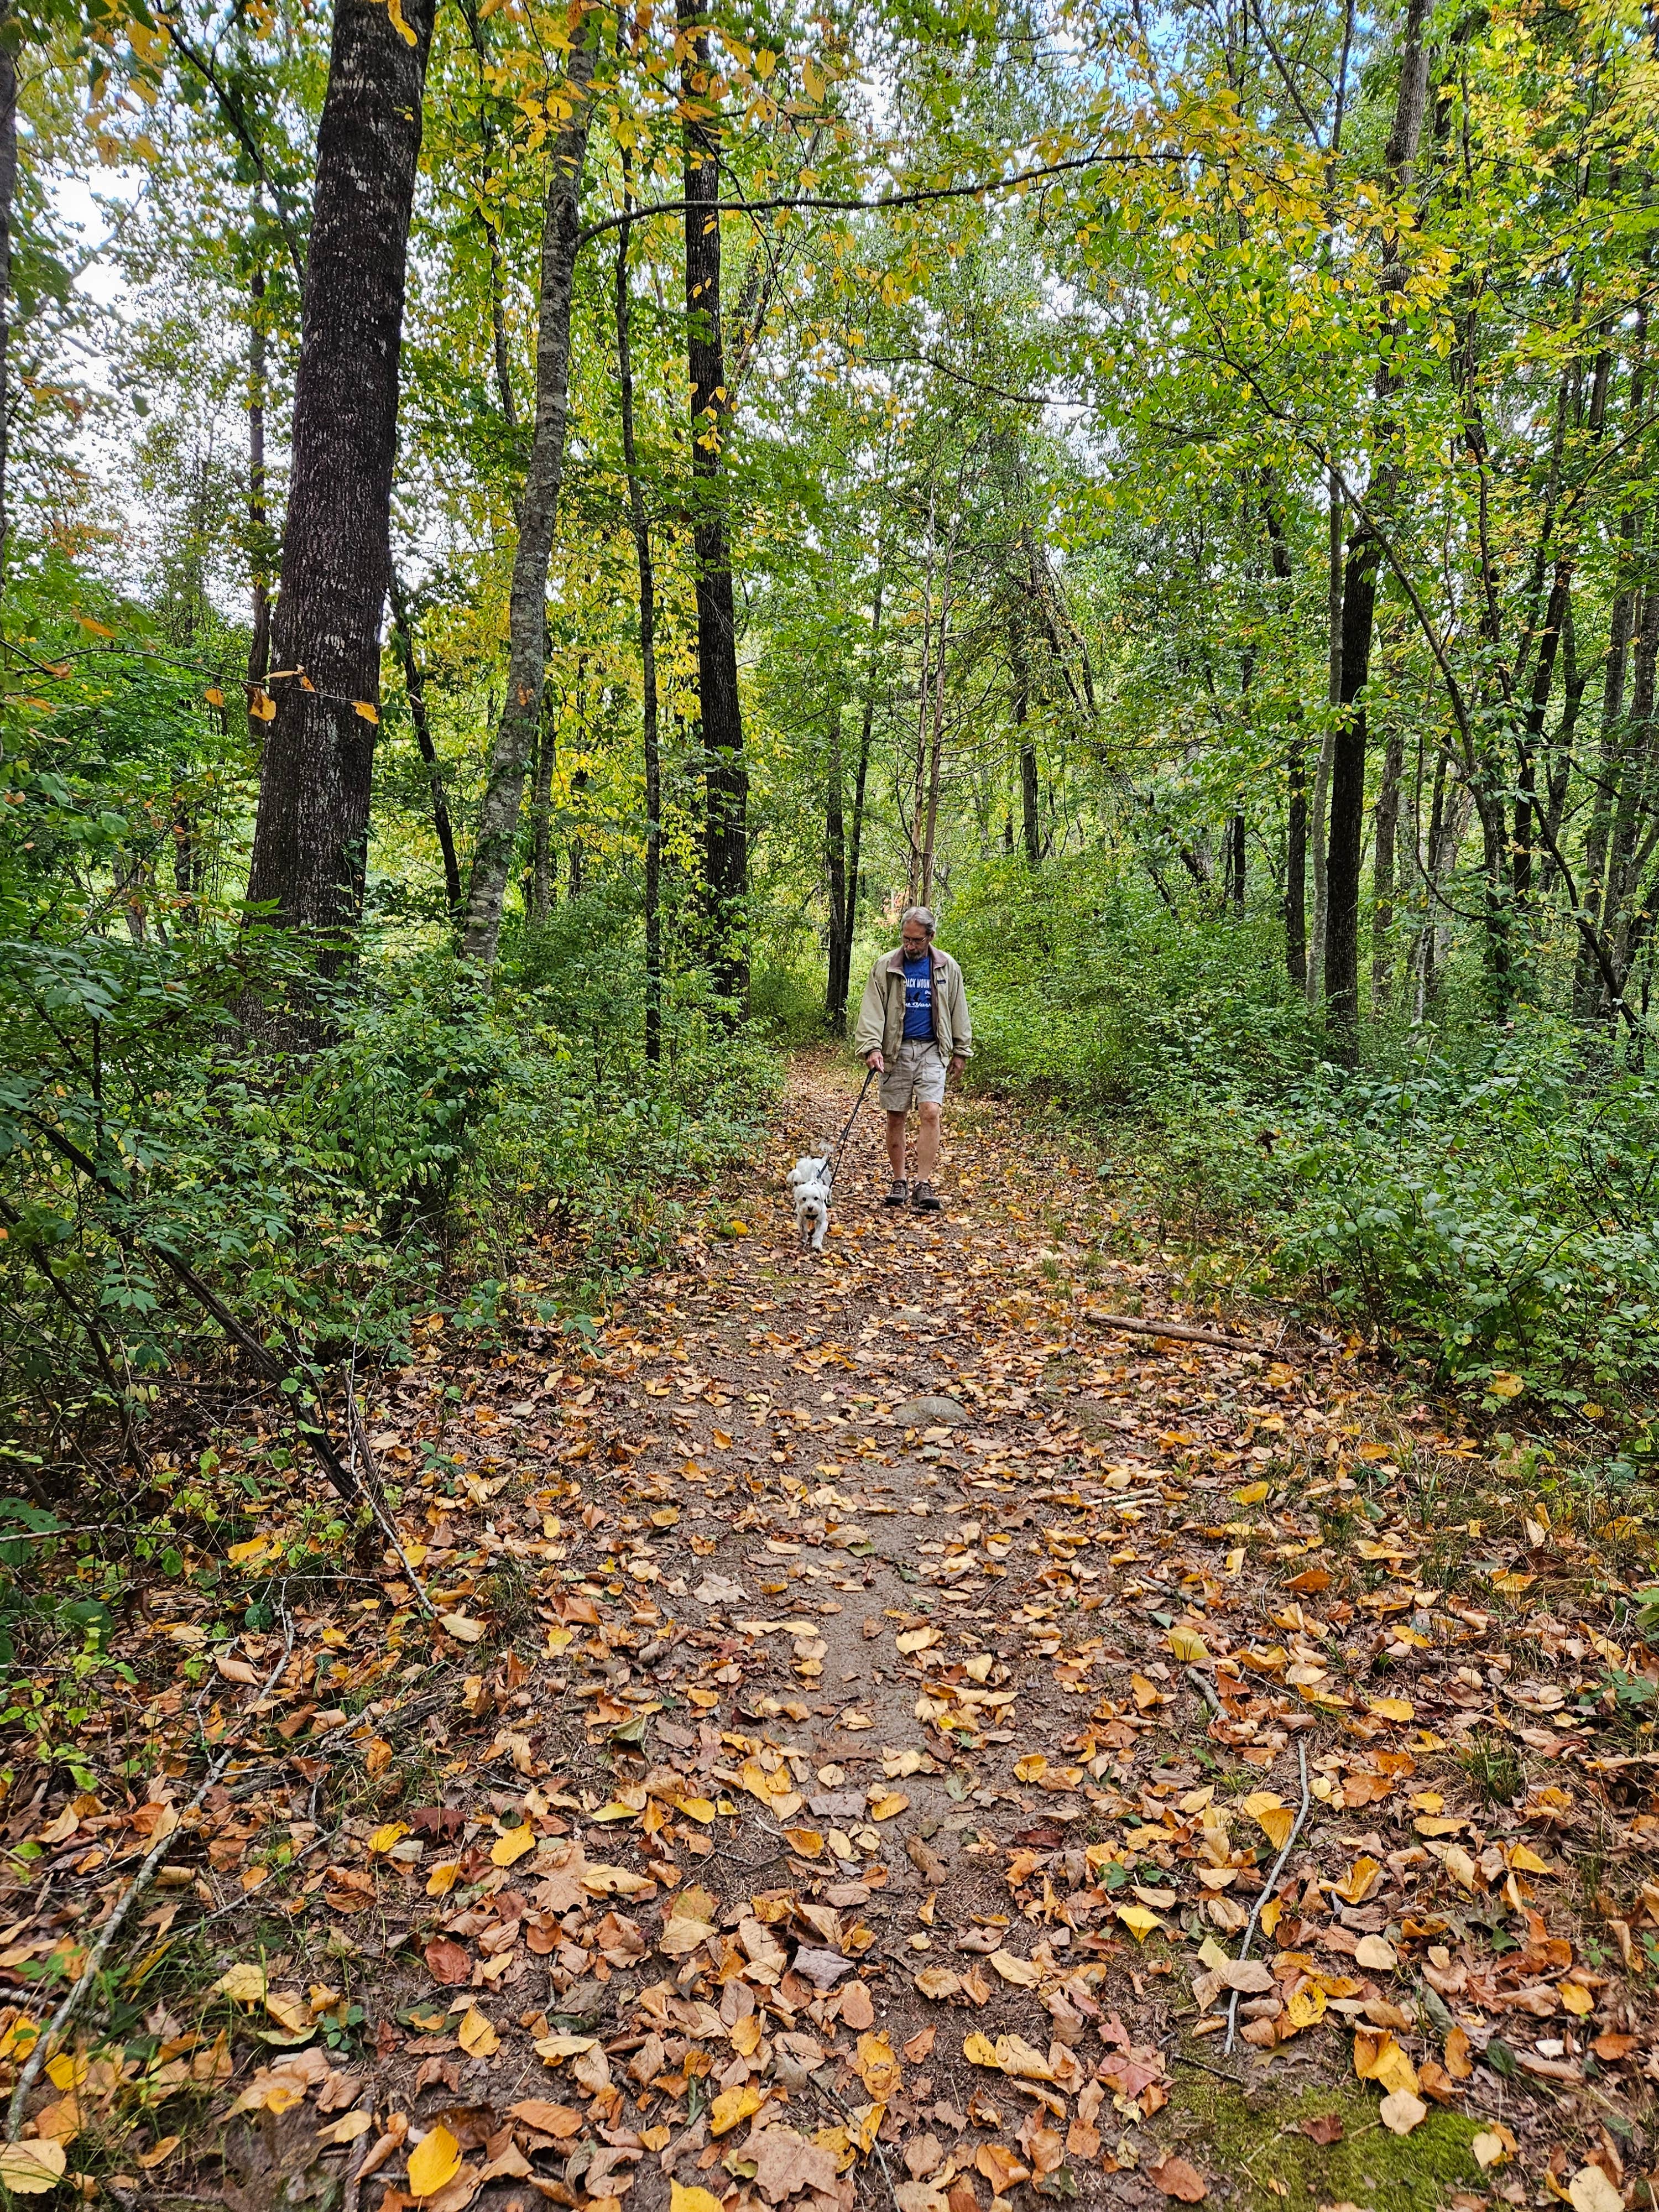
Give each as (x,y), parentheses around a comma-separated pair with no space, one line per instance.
(53,2033)
(1267,1891)
(1179,1330)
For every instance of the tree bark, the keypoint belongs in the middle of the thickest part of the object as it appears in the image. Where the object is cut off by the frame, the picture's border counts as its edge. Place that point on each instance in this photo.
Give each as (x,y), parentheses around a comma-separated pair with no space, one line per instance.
(1349,736)
(7,193)
(311,836)
(1383,867)
(526,652)
(834,842)
(648,662)
(725,871)
(1030,823)
(840,964)
(258,651)
(415,690)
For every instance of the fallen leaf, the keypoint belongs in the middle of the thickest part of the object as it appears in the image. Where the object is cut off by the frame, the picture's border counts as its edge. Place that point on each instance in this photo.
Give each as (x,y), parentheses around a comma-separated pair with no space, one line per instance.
(1590,2191)
(448,1963)
(433,2162)
(29,2169)
(1323,2128)
(1176,2177)
(682,2199)
(1375,1954)
(477,2036)
(1139,1922)
(463,1632)
(731,2107)
(511,1846)
(1020,1972)
(1400,2112)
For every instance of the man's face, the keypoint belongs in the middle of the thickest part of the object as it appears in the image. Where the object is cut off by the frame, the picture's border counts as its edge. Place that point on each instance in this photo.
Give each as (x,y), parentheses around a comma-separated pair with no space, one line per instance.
(914,939)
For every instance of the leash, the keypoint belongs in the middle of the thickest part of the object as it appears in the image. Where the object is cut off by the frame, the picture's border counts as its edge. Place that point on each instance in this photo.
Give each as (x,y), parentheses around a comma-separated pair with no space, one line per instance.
(840,1145)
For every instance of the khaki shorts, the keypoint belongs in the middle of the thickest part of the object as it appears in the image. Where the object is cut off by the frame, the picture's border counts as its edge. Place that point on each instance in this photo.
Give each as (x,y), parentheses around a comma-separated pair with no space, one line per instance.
(916,1078)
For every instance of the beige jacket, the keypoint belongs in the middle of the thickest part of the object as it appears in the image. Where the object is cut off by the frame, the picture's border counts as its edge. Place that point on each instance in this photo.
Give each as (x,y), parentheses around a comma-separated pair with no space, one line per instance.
(880,1026)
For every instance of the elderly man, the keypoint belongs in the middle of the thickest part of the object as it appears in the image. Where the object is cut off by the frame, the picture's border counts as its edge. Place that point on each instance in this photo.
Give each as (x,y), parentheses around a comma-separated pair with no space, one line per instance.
(912,1024)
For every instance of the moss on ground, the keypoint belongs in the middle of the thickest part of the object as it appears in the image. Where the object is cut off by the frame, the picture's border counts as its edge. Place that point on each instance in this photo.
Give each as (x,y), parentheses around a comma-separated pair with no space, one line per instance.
(1243,2139)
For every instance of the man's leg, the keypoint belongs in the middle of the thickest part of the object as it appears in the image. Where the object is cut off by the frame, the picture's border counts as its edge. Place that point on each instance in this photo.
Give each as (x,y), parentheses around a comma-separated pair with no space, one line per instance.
(926,1142)
(895,1142)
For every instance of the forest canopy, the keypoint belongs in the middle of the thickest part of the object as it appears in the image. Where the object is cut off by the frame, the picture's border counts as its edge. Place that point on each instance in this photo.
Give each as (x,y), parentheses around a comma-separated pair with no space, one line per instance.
(531,532)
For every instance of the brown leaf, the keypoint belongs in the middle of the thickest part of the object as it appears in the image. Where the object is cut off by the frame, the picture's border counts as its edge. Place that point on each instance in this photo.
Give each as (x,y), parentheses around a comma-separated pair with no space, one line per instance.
(448,1962)
(1322,2127)
(857,2011)
(785,2162)
(1176,2177)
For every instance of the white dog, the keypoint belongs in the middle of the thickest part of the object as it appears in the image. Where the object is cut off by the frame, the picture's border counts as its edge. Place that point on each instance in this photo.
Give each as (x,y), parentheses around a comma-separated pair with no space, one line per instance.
(808,1188)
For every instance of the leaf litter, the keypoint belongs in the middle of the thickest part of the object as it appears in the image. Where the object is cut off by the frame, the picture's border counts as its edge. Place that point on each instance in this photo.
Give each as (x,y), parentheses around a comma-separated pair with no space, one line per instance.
(863,1704)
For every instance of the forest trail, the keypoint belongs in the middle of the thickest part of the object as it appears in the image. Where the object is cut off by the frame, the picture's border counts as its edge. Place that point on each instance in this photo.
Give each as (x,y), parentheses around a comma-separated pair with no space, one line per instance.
(808,1796)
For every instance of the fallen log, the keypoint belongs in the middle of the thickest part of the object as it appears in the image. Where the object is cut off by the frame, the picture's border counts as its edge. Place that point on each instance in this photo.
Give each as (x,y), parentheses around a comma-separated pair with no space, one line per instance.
(1180,1330)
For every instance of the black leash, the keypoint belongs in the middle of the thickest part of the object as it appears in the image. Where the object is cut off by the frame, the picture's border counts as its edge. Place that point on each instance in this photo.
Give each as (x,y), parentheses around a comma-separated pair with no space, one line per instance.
(840,1147)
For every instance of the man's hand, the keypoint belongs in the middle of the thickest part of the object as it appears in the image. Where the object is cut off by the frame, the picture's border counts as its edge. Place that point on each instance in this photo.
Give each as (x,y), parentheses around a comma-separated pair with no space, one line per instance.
(958,1064)
(874,1061)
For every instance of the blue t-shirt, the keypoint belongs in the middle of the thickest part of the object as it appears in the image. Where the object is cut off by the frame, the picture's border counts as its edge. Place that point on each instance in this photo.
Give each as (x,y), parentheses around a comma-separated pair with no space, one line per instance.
(918,997)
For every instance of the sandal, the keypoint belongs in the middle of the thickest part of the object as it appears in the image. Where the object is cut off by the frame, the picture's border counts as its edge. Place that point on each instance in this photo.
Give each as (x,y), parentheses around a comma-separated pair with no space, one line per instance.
(922,1199)
(900,1193)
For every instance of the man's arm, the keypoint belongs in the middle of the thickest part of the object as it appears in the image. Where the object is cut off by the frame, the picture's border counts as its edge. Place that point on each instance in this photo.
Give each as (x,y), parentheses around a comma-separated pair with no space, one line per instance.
(867,1031)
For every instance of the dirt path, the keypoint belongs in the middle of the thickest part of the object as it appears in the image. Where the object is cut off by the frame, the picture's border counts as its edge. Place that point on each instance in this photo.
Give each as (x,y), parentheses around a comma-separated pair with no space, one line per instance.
(871,1701)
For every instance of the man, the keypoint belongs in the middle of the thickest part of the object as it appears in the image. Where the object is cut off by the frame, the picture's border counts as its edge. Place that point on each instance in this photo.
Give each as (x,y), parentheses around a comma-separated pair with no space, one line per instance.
(913,1024)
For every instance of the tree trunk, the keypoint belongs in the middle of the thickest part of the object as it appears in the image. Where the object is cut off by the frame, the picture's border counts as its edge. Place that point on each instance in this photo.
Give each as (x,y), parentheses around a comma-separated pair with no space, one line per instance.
(7,193)
(835,843)
(310,837)
(1019,661)
(258,520)
(415,688)
(842,969)
(1347,802)
(1295,787)
(1237,850)
(541,817)
(527,651)
(647,662)
(1384,869)
(720,707)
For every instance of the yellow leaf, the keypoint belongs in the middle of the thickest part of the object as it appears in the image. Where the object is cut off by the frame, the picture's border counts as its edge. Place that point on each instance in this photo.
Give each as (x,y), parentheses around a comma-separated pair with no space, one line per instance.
(1020,1972)
(443,1878)
(891,1802)
(262,705)
(240,1553)
(682,2199)
(433,2163)
(1139,1922)
(696,1808)
(1391,1709)
(616,1810)
(1018,2057)
(369,712)
(731,2107)
(29,2169)
(1187,1646)
(1576,1997)
(1525,1860)
(1273,1817)
(1505,1386)
(383,1839)
(1360,1880)
(878,2068)
(1306,2006)
(510,1846)
(746,2036)
(159,2153)
(215,697)
(1251,1494)
(806,1843)
(1378,2057)
(462,1630)
(475,2035)
(979,2051)
(1492,2146)
(244,1982)
(1032,1768)
(290,2012)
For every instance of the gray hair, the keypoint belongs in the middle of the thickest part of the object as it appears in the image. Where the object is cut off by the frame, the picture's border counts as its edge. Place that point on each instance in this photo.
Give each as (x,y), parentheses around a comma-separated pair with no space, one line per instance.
(921,913)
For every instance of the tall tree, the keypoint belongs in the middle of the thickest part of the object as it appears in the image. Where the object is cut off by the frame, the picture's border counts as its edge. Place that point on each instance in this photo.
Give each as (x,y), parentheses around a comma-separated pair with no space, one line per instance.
(718,706)
(527,651)
(310,840)
(1349,736)
(640,524)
